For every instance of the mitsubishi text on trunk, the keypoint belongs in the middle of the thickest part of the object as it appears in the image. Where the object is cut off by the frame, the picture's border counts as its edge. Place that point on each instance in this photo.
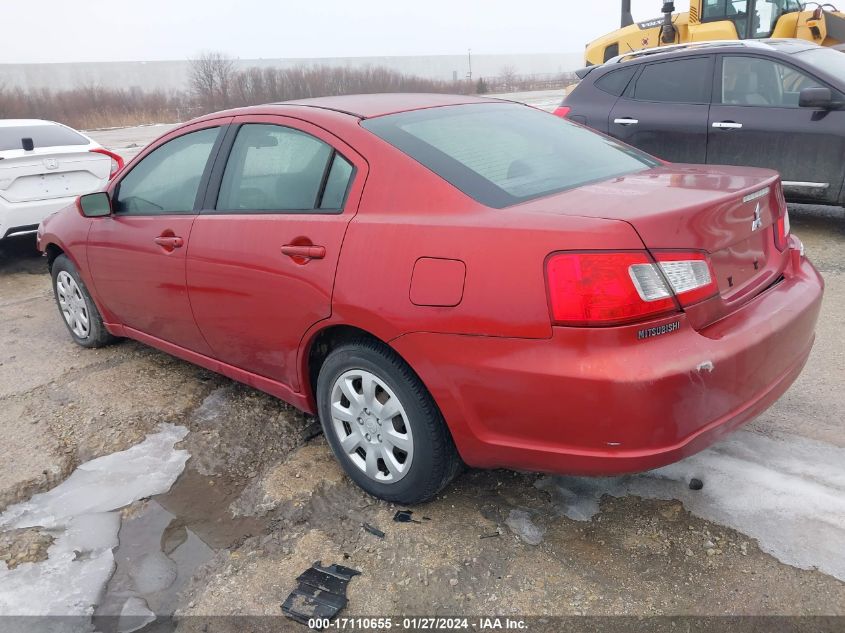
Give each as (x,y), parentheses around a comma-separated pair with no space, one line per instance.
(449,280)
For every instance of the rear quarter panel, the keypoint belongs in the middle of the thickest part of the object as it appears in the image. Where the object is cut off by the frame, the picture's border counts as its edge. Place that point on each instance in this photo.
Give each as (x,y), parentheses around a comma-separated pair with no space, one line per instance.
(408,213)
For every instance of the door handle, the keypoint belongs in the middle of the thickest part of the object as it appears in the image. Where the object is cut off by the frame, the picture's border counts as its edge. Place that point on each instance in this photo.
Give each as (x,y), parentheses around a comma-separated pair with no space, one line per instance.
(304,251)
(626,121)
(169,242)
(727,125)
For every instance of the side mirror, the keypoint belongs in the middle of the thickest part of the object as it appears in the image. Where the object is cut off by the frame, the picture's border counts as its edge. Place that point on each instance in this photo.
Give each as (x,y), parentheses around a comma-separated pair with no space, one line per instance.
(818,98)
(94,205)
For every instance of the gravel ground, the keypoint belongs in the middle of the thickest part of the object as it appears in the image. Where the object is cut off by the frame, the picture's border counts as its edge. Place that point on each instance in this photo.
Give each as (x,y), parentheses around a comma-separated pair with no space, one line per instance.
(264,494)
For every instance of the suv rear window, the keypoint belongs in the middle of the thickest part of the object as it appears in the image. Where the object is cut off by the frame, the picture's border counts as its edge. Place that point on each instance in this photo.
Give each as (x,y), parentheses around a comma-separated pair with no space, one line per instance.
(614,83)
(503,154)
(41,135)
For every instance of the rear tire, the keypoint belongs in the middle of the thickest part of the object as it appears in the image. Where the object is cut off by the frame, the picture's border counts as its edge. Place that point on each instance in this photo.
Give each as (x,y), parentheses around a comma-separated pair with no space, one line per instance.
(76,307)
(382,424)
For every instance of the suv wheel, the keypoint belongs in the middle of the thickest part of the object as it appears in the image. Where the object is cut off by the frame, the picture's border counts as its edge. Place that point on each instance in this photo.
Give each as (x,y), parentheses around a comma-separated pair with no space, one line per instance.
(382,424)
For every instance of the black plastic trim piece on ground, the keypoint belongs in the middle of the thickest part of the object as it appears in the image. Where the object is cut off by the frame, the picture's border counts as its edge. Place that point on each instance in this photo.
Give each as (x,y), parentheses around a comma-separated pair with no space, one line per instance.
(321,593)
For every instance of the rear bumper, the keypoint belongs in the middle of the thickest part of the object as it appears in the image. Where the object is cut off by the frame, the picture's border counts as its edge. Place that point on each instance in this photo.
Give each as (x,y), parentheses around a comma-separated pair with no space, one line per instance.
(602,401)
(21,217)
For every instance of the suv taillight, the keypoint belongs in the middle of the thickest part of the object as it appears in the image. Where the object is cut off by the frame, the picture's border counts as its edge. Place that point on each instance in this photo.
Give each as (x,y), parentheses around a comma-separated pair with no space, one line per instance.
(613,288)
(116,161)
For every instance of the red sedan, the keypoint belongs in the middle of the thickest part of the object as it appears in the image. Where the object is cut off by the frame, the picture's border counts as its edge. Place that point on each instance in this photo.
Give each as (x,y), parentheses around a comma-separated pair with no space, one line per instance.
(449,279)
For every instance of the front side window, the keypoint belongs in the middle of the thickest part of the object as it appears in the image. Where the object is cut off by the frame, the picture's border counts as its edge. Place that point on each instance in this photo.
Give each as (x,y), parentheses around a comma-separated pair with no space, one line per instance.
(680,81)
(275,168)
(167,180)
(753,81)
(503,154)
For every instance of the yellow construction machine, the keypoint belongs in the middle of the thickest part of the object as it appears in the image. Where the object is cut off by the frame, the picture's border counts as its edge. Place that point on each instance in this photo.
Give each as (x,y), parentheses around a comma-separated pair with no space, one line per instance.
(709,20)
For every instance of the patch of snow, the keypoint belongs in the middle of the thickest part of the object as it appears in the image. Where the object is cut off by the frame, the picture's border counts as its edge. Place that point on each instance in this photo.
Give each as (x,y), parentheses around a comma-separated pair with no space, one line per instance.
(81,514)
(787,492)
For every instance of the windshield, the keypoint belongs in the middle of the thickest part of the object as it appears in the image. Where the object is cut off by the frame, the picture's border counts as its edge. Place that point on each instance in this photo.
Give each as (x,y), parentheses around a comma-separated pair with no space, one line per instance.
(502,154)
(828,61)
(764,14)
(768,14)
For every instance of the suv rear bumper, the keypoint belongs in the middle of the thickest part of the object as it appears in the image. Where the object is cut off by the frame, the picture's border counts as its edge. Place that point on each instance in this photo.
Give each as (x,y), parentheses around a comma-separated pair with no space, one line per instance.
(600,401)
(24,217)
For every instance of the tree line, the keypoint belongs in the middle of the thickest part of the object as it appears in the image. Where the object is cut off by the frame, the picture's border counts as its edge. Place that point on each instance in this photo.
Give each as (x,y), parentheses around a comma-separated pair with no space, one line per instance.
(215,83)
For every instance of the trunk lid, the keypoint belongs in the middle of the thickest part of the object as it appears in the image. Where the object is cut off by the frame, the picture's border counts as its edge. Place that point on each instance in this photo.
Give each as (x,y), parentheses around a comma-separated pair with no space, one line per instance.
(730,213)
(47,173)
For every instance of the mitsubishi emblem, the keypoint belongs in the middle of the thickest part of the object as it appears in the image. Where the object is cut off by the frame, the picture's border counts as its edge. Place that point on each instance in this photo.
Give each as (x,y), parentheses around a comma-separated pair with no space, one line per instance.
(757,223)
(51,163)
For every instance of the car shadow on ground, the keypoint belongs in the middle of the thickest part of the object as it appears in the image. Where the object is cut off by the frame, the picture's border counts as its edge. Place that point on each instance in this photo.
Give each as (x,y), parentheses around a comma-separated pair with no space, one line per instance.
(19,255)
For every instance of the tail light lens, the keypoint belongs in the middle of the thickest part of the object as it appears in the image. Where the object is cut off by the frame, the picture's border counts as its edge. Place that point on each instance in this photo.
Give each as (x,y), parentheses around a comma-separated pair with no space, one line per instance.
(116,161)
(782,231)
(562,111)
(689,275)
(613,288)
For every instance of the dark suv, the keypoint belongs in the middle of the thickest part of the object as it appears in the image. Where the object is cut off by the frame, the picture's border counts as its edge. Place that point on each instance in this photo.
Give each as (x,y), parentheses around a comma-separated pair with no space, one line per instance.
(766,103)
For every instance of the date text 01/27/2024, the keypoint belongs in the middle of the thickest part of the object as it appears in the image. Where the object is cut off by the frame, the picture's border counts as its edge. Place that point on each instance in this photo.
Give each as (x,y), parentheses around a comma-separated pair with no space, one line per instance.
(418,624)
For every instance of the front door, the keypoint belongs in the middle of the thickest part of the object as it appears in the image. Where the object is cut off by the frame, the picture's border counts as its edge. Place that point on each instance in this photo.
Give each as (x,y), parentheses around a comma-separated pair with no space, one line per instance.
(137,255)
(755,121)
(264,249)
(664,110)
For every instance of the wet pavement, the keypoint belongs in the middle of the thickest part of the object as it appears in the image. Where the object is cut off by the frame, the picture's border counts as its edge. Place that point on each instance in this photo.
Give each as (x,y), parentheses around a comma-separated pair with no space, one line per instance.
(261,498)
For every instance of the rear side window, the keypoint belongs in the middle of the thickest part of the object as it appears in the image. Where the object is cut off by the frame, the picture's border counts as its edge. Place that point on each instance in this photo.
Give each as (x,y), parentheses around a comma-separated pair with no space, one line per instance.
(615,83)
(503,154)
(41,135)
(680,81)
(275,168)
(167,180)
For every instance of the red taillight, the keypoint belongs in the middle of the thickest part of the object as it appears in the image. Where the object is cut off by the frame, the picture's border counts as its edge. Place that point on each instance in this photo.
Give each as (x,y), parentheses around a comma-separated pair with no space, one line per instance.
(116,161)
(782,231)
(612,288)
(782,223)
(562,111)
(597,289)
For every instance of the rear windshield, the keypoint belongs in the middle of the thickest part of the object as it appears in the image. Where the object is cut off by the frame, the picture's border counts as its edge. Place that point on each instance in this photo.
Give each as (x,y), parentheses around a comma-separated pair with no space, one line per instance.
(503,154)
(827,60)
(41,135)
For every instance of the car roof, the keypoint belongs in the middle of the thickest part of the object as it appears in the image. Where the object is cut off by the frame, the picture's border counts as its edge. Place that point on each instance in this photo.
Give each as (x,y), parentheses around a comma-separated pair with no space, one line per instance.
(368,106)
(24,122)
(785,46)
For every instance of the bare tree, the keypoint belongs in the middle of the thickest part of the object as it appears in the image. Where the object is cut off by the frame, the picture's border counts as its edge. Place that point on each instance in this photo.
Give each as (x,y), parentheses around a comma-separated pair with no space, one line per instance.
(211,79)
(507,75)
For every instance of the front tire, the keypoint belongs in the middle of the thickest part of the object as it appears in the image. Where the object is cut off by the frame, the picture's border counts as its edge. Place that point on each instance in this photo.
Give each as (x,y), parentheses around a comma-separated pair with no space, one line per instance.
(382,424)
(76,306)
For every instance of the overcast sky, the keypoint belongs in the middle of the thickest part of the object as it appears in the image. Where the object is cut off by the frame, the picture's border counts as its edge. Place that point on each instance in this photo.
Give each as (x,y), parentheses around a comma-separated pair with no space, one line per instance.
(129,30)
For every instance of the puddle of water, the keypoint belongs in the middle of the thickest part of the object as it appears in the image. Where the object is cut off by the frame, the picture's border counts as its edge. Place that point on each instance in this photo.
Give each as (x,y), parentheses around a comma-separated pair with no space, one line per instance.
(81,514)
(161,547)
(787,492)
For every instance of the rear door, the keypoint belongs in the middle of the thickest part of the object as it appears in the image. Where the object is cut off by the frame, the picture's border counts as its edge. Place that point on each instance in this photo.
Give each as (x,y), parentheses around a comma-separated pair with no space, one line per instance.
(137,255)
(755,120)
(263,251)
(664,110)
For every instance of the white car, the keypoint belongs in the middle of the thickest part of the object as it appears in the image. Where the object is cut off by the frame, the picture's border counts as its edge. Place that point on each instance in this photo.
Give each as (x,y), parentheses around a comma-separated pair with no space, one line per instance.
(44,166)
